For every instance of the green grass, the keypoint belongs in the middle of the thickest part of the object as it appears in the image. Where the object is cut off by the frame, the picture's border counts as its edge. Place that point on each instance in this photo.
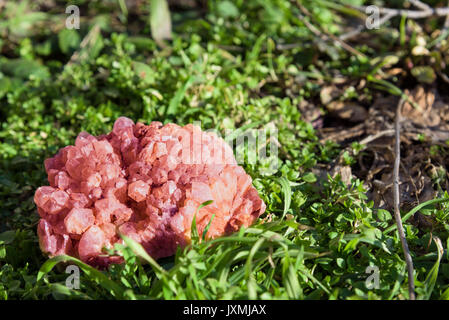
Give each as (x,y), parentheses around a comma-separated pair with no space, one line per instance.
(221,68)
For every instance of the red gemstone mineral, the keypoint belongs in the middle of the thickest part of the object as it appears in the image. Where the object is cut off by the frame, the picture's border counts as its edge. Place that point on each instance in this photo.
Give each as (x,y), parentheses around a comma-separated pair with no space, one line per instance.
(147,182)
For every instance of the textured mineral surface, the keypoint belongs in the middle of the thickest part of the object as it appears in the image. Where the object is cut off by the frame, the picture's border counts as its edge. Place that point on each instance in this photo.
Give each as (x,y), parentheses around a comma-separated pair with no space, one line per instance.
(144,181)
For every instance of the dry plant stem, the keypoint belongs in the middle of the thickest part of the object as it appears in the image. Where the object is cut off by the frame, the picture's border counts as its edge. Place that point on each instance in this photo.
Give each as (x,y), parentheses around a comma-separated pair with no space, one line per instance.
(421,5)
(378,135)
(359,29)
(397,213)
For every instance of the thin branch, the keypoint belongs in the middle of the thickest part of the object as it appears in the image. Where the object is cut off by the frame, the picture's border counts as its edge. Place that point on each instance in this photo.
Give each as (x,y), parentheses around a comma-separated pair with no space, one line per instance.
(352,33)
(421,5)
(359,29)
(397,213)
(376,136)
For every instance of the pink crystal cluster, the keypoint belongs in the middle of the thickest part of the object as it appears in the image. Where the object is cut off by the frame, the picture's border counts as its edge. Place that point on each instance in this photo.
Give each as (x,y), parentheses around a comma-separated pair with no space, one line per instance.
(147,182)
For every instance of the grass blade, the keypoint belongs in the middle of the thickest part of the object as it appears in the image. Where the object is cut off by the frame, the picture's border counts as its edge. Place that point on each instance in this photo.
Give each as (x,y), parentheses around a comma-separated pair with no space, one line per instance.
(141,252)
(287,190)
(92,273)
(432,276)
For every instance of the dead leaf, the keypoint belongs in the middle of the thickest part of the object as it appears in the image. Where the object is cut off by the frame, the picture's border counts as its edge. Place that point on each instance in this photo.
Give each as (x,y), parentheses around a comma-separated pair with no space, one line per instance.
(424,115)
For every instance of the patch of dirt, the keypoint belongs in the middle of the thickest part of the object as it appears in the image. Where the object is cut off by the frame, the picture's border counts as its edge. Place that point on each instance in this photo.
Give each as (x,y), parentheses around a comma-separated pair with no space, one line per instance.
(424,147)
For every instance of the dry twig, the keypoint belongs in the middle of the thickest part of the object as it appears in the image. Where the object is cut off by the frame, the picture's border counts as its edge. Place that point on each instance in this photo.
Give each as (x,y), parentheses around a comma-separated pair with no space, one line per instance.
(421,5)
(397,213)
